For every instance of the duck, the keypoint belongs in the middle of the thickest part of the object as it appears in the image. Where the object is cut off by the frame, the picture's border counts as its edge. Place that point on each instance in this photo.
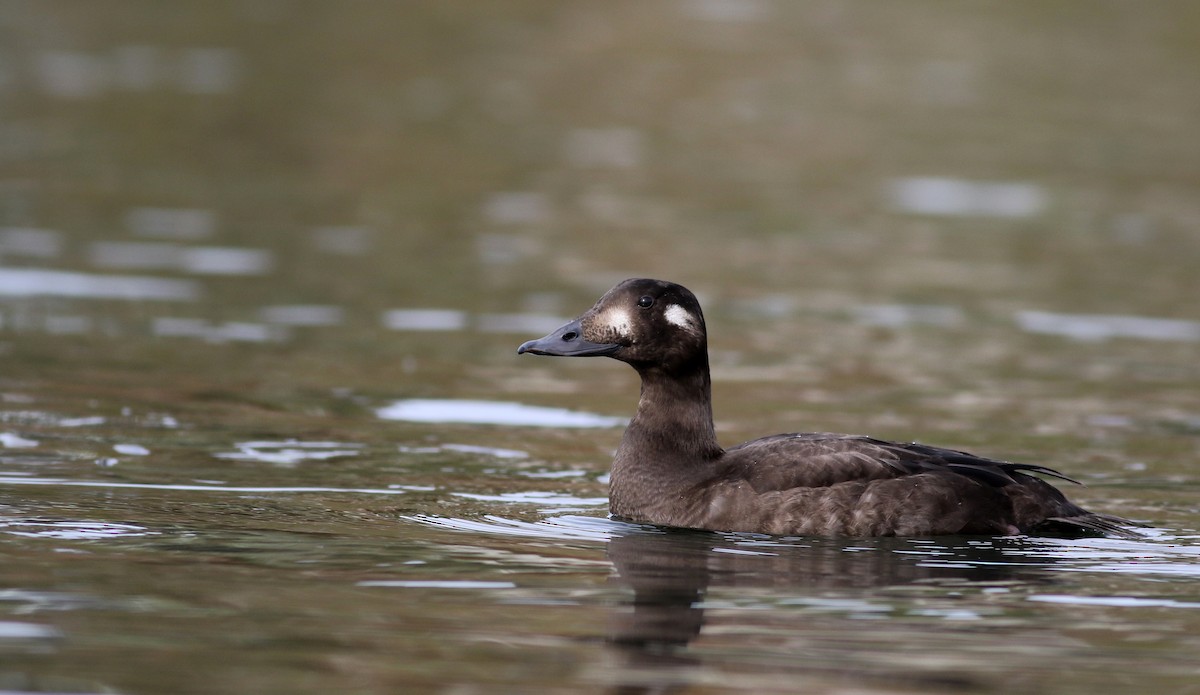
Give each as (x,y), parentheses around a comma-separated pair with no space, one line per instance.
(669,469)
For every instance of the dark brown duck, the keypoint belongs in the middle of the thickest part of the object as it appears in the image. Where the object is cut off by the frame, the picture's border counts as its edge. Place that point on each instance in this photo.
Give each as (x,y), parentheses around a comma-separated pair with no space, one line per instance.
(670,470)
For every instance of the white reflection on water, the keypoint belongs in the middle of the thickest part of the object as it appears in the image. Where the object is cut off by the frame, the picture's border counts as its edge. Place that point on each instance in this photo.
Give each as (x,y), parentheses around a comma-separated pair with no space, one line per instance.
(25,241)
(8,440)
(84,75)
(536,497)
(204,260)
(1097,327)
(70,74)
(71,530)
(27,631)
(32,282)
(302,315)
(289,452)
(566,527)
(900,315)
(226,260)
(390,490)
(436,584)
(727,10)
(959,197)
(38,417)
(1118,601)
(424,320)
(1157,556)
(455,320)
(232,331)
(1160,554)
(87,421)
(492,413)
(466,449)
(519,323)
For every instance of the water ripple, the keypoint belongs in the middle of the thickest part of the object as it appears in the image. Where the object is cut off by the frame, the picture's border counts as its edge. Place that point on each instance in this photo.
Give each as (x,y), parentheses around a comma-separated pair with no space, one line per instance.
(289,452)
(390,490)
(535,497)
(492,413)
(71,530)
(565,527)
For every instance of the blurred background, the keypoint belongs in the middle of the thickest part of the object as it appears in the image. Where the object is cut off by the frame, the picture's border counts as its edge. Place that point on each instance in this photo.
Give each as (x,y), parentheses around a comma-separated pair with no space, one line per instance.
(233,234)
(284,198)
(270,201)
(288,170)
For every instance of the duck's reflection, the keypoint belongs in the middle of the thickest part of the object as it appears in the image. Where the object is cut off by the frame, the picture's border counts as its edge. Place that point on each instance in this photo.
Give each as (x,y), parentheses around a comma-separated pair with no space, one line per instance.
(670,573)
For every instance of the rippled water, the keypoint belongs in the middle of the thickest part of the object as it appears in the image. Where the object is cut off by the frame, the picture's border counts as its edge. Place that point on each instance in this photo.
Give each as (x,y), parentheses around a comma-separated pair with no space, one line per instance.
(264,269)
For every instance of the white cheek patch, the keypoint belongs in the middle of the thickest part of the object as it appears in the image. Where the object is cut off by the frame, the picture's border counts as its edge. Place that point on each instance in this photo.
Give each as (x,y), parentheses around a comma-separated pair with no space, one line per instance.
(617,320)
(678,316)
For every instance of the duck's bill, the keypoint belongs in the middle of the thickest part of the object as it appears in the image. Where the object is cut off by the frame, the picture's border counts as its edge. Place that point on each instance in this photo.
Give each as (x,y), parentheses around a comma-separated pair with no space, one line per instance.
(567,341)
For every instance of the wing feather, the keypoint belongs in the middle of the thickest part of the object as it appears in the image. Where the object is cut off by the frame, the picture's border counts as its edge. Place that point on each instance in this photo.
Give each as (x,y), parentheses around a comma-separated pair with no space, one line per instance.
(819,459)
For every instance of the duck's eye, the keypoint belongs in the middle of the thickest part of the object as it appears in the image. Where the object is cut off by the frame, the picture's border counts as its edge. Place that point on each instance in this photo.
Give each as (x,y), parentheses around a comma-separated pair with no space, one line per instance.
(646,302)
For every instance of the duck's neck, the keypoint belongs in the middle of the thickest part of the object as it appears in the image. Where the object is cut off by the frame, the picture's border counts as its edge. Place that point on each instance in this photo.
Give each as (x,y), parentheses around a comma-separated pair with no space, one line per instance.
(669,442)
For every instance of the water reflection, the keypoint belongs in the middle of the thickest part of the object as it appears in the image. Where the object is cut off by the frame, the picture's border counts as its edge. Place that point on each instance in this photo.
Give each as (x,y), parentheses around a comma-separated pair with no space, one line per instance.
(491,451)
(536,497)
(229,331)
(225,260)
(303,314)
(32,282)
(671,572)
(958,197)
(565,527)
(435,584)
(1161,555)
(492,413)
(695,604)
(34,243)
(289,452)
(172,223)
(200,260)
(1118,601)
(904,315)
(258,174)
(343,241)
(454,320)
(424,320)
(71,530)
(517,207)
(131,255)
(211,486)
(77,75)
(11,440)
(1098,327)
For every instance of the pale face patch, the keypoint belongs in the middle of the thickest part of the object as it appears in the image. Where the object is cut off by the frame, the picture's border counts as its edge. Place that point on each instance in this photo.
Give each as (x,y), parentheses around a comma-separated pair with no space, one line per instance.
(616,320)
(678,316)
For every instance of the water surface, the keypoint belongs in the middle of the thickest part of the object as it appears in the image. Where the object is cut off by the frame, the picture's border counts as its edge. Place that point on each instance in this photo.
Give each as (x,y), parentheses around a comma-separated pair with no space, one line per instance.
(264,268)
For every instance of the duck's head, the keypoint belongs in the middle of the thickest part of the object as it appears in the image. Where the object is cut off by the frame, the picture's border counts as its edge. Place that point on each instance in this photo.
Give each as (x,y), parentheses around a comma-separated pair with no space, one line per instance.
(643,322)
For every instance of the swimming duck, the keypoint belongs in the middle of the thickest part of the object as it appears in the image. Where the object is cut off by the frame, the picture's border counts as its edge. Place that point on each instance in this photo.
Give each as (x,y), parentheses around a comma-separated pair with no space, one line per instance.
(670,470)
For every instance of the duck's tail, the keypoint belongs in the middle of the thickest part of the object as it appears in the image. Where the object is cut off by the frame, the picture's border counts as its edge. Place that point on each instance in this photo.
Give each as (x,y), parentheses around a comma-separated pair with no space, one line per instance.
(1089,524)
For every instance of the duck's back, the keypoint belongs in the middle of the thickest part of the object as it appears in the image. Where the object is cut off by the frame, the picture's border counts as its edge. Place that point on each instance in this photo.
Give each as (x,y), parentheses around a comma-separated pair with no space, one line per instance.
(831,484)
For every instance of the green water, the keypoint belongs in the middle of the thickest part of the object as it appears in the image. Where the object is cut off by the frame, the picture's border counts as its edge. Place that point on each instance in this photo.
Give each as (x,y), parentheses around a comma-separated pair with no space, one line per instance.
(238,239)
